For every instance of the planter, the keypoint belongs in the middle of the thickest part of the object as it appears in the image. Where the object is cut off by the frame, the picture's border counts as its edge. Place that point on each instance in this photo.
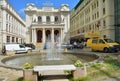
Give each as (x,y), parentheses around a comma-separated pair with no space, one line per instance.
(80,72)
(30,75)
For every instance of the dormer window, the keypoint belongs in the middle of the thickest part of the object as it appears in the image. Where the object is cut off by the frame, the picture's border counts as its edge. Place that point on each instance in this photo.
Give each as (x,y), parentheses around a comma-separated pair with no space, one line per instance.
(39,19)
(48,18)
(56,18)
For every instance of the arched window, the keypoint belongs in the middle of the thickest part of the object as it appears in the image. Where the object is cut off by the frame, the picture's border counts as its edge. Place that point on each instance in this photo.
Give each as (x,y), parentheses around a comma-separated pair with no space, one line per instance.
(39,19)
(48,18)
(56,18)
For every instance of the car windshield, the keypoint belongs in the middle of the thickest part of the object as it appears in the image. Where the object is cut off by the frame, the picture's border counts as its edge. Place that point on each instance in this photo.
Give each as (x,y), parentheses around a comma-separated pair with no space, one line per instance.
(109,40)
(22,46)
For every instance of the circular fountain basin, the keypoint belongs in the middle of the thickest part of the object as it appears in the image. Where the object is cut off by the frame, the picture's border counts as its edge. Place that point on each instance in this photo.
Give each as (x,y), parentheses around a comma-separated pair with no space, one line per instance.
(18,61)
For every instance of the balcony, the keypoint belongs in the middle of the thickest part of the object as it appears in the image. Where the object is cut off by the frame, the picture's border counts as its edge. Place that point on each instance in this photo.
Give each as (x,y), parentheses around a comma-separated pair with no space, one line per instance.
(48,23)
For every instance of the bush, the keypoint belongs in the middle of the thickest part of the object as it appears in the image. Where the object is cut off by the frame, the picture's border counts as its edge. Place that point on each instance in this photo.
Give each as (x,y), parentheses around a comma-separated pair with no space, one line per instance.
(78,63)
(28,66)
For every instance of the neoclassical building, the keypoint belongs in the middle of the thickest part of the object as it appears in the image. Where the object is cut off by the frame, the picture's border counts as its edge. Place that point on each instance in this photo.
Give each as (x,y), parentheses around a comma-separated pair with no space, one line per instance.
(47,24)
(92,18)
(12,26)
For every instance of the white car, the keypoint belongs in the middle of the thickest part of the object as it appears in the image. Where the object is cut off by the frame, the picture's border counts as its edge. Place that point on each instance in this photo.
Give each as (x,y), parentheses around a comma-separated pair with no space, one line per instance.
(18,48)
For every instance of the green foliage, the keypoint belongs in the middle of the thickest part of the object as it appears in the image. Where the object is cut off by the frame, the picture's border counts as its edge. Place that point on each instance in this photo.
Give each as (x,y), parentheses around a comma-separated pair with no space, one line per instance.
(21,79)
(82,79)
(78,63)
(28,66)
(67,71)
(99,65)
(70,77)
(112,62)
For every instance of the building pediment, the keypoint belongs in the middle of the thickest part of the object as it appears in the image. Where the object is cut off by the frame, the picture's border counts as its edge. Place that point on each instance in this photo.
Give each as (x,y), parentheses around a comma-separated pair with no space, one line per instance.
(64,7)
(31,7)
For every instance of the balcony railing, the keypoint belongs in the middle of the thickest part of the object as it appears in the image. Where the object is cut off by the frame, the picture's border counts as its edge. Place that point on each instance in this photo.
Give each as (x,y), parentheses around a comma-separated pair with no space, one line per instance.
(58,22)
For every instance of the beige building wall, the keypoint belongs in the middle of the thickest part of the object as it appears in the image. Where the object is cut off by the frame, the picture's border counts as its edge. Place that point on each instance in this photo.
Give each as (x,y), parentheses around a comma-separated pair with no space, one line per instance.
(47,24)
(93,16)
(0,27)
(12,26)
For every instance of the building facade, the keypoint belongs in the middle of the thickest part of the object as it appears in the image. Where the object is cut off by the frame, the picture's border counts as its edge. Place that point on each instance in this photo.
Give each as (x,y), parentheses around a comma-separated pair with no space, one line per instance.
(117,20)
(92,18)
(12,27)
(47,24)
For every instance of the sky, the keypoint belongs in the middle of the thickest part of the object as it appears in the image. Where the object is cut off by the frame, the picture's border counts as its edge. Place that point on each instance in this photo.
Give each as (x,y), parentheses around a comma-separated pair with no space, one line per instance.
(20,5)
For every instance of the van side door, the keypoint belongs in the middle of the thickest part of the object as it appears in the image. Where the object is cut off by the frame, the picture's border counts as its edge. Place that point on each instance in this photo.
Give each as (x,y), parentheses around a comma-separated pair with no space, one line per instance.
(94,44)
(22,47)
(101,45)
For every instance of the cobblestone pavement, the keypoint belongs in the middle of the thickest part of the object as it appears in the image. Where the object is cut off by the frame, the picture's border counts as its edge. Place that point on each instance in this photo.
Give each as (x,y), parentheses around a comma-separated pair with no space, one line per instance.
(9,74)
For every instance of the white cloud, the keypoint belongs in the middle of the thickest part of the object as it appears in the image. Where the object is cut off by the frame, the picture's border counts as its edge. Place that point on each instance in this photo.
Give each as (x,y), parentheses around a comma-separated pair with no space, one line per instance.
(21,11)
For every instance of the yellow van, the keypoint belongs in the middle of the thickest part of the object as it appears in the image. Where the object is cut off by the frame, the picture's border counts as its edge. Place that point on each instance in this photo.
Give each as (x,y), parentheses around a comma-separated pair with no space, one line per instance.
(103,44)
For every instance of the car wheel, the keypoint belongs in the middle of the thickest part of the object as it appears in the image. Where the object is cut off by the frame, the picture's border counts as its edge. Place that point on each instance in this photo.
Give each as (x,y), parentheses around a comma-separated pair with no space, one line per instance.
(106,50)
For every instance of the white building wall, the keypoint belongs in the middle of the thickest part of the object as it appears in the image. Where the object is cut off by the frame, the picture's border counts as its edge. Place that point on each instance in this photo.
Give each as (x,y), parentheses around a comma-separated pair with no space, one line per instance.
(62,25)
(12,24)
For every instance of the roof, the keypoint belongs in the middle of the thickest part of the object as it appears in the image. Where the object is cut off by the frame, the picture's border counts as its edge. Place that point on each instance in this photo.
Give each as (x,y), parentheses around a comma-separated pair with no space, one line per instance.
(78,4)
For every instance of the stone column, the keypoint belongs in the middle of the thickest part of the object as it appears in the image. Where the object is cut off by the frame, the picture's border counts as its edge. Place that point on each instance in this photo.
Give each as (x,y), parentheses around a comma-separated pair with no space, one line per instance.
(43,36)
(32,36)
(52,36)
(61,36)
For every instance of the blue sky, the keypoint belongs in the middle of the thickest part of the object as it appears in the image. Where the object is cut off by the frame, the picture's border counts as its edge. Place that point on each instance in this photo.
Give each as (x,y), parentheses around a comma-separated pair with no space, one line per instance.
(20,5)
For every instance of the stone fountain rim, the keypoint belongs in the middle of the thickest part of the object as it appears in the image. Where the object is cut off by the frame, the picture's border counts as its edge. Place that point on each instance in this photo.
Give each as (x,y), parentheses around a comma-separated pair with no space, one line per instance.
(2,64)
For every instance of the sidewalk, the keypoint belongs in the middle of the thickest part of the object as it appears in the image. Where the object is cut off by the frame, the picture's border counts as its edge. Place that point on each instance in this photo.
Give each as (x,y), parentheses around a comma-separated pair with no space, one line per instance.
(54,76)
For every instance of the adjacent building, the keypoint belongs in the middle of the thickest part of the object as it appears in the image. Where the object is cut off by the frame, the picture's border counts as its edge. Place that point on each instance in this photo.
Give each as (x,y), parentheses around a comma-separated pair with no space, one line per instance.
(47,24)
(117,20)
(12,26)
(92,18)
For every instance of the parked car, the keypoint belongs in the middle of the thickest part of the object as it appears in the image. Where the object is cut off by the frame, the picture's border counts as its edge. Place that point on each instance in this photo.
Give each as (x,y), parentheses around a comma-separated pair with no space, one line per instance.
(79,45)
(30,45)
(101,44)
(18,48)
(67,45)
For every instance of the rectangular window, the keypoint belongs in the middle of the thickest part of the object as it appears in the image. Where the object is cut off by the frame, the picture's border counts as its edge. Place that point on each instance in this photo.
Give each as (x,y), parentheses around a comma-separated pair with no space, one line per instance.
(103,1)
(95,41)
(13,39)
(103,11)
(101,41)
(8,39)
(6,27)
(17,40)
(97,14)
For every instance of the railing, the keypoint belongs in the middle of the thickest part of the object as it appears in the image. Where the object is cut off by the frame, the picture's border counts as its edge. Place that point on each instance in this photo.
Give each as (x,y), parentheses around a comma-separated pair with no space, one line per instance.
(59,22)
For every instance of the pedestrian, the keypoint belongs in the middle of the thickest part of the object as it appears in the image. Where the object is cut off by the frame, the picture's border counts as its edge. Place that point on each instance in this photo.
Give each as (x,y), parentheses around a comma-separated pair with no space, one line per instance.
(3,50)
(75,44)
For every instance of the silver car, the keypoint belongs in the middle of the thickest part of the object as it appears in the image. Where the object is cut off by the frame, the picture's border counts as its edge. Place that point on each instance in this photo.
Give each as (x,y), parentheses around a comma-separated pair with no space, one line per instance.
(67,45)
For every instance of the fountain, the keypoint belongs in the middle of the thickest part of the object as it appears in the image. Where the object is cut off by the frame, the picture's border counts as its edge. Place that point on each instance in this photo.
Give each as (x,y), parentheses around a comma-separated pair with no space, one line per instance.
(51,56)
